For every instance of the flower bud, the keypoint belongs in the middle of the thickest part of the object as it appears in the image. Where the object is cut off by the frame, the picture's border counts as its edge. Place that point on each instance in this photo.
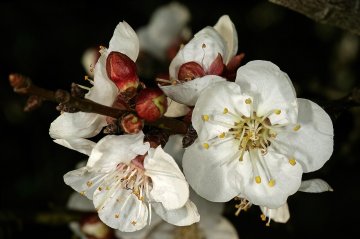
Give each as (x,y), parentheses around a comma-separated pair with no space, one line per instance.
(122,71)
(131,124)
(190,71)
(151,104)
(93,227)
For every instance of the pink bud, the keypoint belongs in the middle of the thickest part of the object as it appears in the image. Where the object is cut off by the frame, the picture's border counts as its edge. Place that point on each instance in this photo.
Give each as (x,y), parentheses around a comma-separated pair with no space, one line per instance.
(131,124)
(122,71)
(151,104)
(190,71)
(217,66)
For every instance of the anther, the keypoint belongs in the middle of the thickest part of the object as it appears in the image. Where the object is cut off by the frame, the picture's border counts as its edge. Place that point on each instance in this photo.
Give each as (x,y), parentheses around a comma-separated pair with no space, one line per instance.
(248,101)
(263,217)
(89,183)
(203,45)
(222,135)
(292,161)
(271,183)
(226,110)
(258,179)
(206,145)
(86,77)
(277,111)
(117,215)
(205,117)
(297,127)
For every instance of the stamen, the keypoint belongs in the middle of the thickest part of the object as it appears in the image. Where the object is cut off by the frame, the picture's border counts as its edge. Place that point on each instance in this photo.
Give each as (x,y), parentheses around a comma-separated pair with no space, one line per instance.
(277,111)
(248,101)
(258,179)
(263,217)
(206,145)
(205,117)
(225,111)
(297,127)
(271,183)
(292,161)
(222,135)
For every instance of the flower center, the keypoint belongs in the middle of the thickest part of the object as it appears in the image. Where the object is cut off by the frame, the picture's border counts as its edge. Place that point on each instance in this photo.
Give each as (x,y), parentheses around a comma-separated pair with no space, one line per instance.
(132,177)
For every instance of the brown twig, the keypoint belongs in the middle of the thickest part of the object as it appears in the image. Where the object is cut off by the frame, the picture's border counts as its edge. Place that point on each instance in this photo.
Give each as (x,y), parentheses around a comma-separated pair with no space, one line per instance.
(341,13)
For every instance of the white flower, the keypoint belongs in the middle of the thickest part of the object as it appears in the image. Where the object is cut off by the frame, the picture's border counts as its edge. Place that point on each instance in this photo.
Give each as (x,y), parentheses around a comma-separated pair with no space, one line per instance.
(165,26)
(205,55)
(126,178)
(255,138)
(71,129)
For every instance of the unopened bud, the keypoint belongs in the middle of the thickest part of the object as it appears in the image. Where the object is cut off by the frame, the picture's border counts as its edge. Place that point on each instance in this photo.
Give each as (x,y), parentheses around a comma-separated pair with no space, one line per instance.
(131,124)
(93,227)
(122,71)
(151,104)
(190,71)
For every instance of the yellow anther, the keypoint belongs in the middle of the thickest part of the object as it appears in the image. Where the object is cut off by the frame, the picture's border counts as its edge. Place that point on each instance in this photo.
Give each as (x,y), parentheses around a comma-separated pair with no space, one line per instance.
(292,161)
(107,188)
(86,77)
(100,188)
(248,101)
(222,135)
(297,127)
(89,183)
(82,193)
(133,222)
(271,183)
(134,120)
(258,179)
(226,110)
(203,45)
(117,215)
(277,111)
(205,117)
(263,217)
(206,145)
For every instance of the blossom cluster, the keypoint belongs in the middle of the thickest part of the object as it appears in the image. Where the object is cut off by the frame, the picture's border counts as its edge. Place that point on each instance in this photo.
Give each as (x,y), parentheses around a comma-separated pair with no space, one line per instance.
(249,137)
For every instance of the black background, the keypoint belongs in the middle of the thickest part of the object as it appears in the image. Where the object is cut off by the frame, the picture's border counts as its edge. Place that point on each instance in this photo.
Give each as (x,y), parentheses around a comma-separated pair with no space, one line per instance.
(46,40)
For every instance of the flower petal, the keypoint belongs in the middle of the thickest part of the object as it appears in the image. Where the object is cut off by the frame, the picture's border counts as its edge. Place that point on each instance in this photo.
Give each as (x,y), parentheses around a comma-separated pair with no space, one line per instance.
(104,90)
(280,214)
(84,181)
(188,92)
(169,184)
(312,144)
(175,109)
(164,28)
(315,186)
(227,30)
(203,49)
(279,178)
(183,216)
(125,41)
(207,172)
(175,149)
(81,145)
(76,125)
(270,87)
(120,208)
(114,149)
(212,102)
(80,203)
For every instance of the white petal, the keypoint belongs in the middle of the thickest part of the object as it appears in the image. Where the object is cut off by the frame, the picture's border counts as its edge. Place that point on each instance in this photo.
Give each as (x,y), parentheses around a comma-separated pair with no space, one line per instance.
(104,90)
(287,179)
(208,172)
(120,208)
(312,144)
(175,149)
(315,186)
(169,184)
(81,145)
(212,102)
(84,181)
(188,92)
(183,216)
(270,87)
(143,233)
(164,28)
(203,49)
(227,30)
(176,109)
(125,41)
(76,125)
(80,203)
(114,149)
(280,214)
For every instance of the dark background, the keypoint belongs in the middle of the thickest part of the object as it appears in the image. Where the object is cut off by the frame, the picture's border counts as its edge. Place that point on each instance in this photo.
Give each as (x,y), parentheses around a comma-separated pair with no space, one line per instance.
(46,40)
